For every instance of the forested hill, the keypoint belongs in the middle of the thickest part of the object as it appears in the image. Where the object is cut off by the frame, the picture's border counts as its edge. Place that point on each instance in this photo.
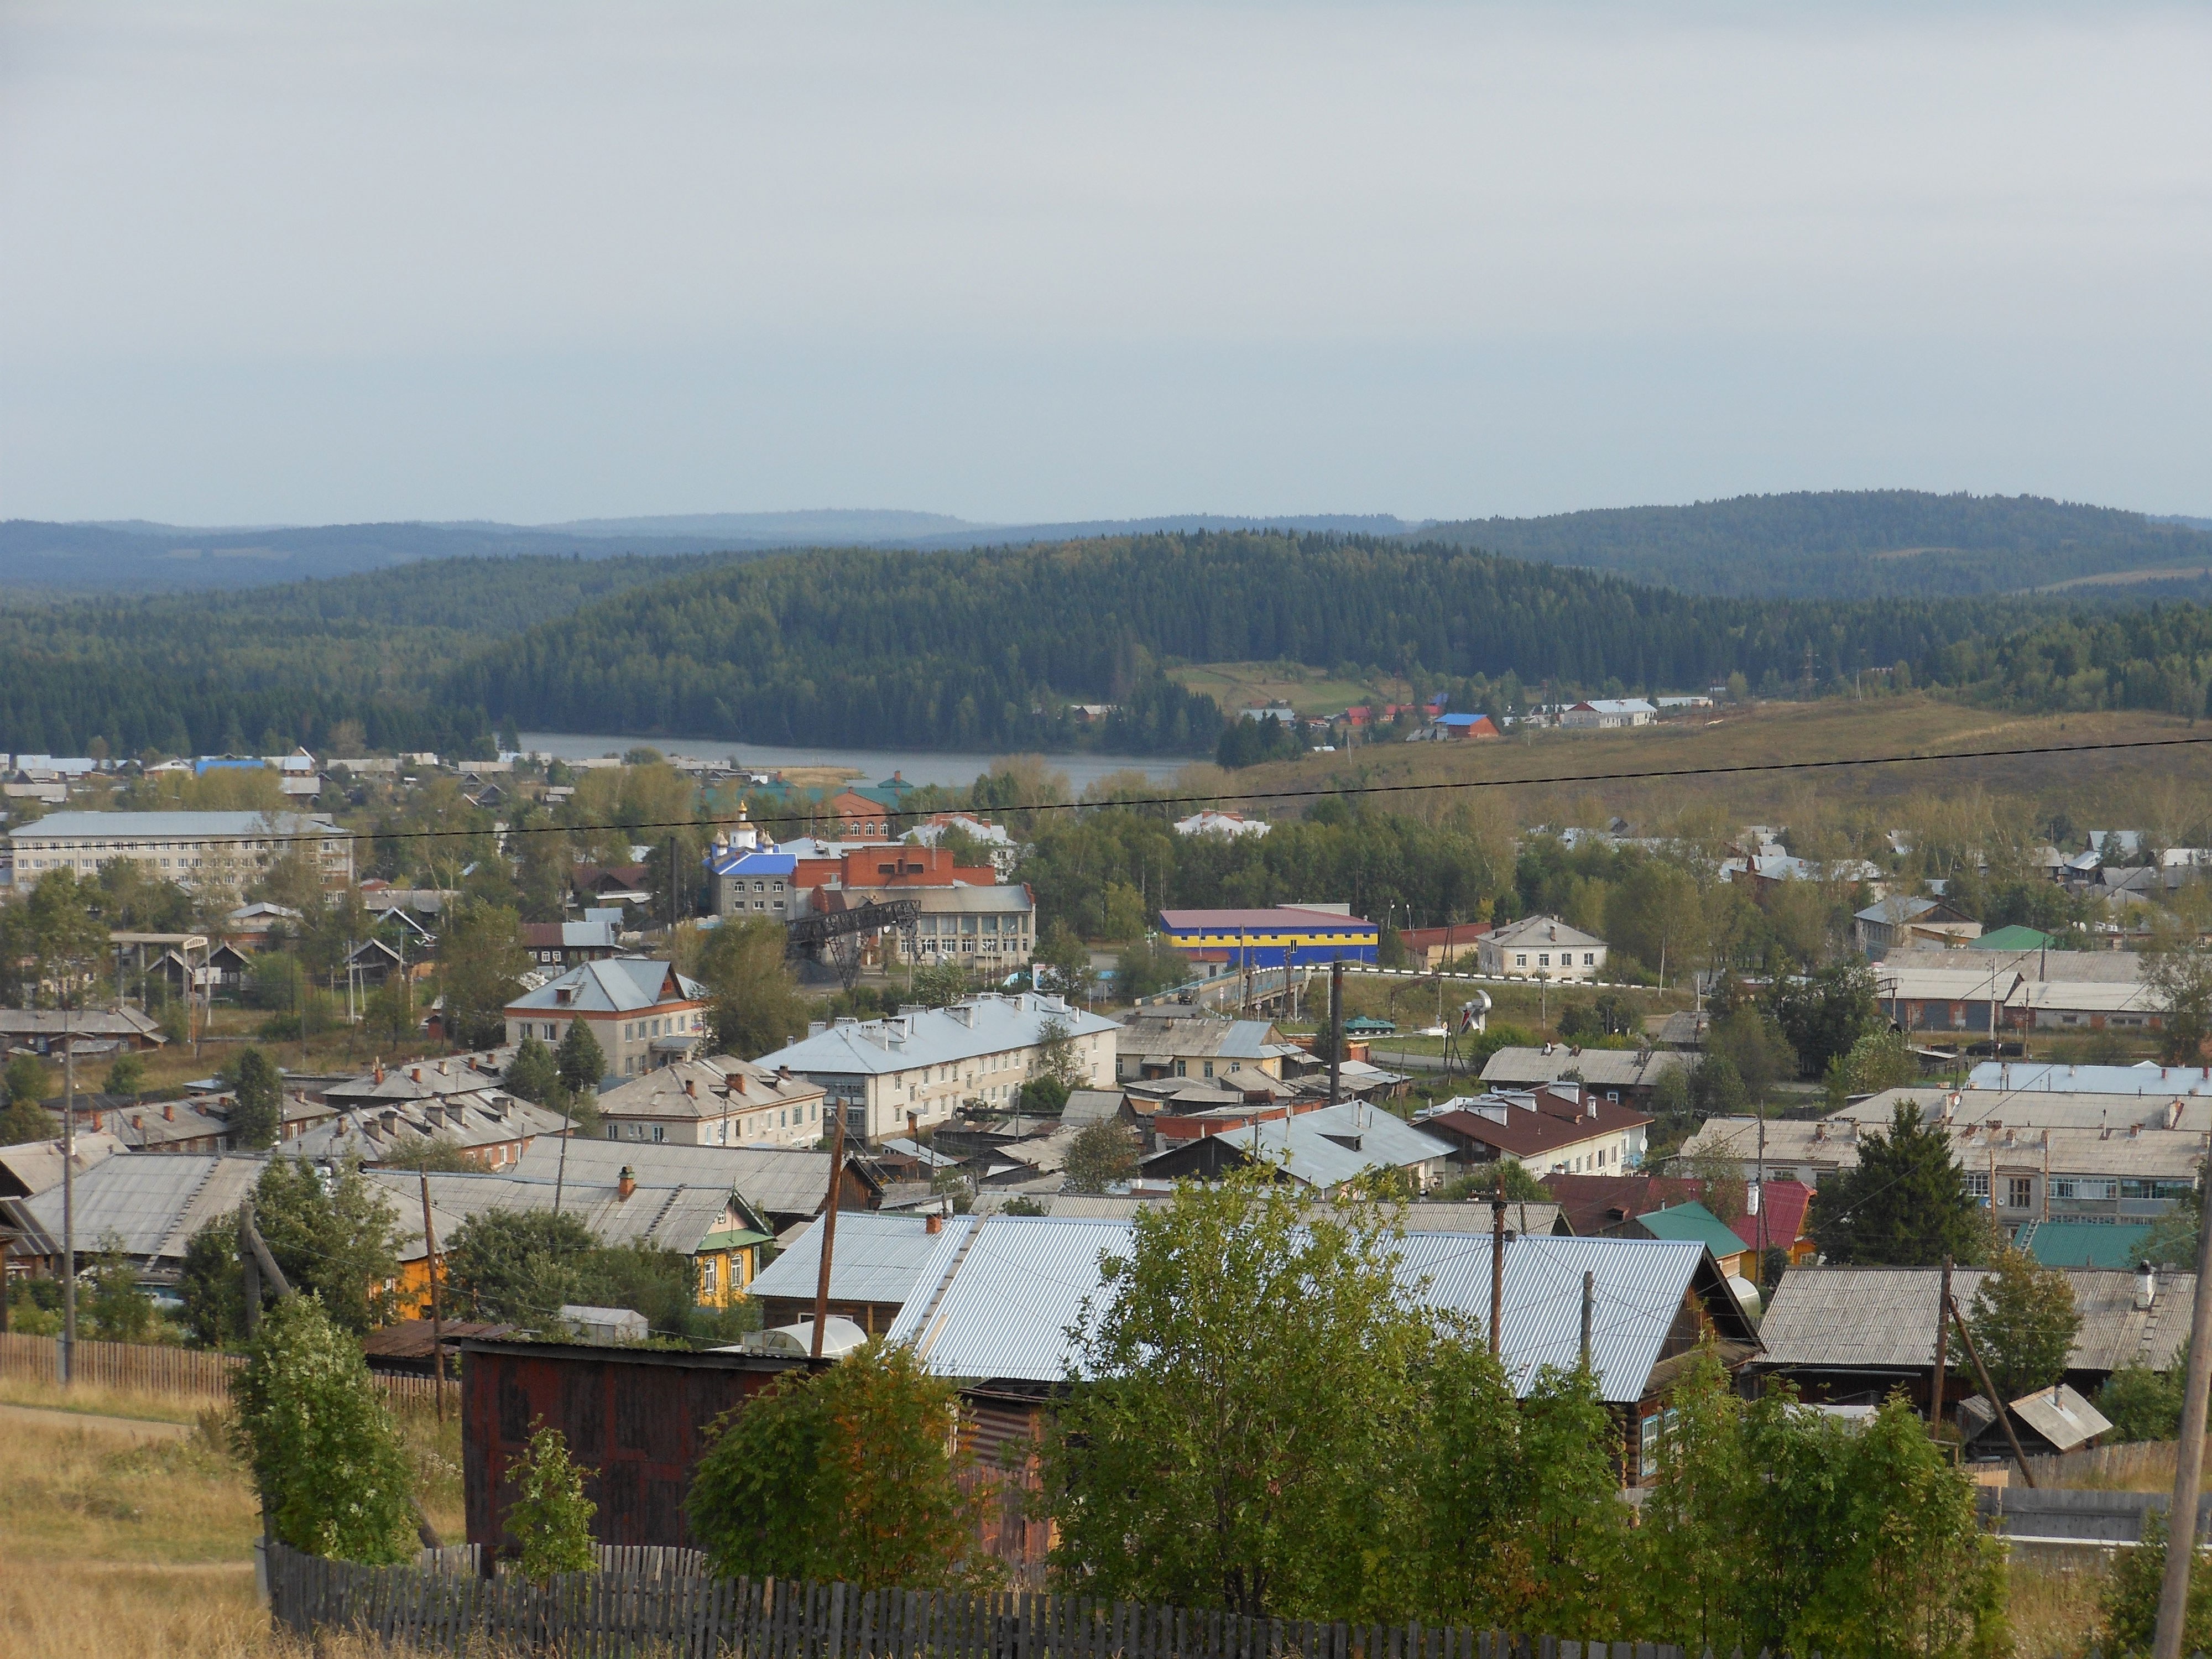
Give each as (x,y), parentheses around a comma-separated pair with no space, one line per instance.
(985,648)
(1848,543)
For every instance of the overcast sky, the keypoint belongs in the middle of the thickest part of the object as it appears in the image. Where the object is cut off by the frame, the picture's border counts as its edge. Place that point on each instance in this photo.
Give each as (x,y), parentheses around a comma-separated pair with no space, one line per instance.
(317,262)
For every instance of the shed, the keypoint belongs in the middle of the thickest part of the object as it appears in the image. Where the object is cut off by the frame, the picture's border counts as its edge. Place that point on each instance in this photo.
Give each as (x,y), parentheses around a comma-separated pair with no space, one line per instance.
(635,1418)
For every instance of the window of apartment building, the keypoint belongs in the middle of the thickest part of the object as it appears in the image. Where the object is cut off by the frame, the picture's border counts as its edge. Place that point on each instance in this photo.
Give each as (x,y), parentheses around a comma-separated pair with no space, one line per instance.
(1589,960)
(1544,960)
(968,923)
(1522,961)
(2020,1191)
(1978,1184)
(660,1132)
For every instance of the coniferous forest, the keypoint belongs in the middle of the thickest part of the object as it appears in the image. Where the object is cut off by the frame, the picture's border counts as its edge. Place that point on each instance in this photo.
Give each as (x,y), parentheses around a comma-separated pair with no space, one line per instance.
(1053,647)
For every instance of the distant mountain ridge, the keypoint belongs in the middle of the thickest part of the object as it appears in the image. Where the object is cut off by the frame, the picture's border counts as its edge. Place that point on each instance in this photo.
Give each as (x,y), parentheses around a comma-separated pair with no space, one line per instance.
(1807,545)
(141,556)
(1868,543)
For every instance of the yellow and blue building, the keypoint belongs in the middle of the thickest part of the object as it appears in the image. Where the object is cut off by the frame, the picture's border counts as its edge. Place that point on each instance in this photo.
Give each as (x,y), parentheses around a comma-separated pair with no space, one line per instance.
(1278,936)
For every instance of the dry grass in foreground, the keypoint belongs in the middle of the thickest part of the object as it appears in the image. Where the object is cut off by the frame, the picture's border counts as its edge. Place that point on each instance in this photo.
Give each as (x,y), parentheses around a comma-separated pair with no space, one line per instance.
(104,1402)
(2053,1609)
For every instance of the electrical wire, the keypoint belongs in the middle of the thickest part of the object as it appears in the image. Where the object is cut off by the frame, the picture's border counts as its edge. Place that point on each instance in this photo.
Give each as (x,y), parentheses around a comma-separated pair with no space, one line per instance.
(1331,791)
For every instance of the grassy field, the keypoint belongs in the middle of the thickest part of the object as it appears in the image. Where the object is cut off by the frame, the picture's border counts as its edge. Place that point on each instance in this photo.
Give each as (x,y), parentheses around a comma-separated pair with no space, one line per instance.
(110,1546)
(2123,786)
(1234,685)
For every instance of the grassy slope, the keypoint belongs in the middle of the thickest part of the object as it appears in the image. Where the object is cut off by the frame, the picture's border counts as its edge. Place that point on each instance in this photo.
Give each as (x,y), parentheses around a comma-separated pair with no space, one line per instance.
(2089,784)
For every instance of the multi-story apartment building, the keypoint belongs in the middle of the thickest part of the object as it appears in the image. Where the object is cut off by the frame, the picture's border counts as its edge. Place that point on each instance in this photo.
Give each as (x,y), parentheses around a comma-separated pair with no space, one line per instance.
(644,1013)
(196,850)
(926,1062)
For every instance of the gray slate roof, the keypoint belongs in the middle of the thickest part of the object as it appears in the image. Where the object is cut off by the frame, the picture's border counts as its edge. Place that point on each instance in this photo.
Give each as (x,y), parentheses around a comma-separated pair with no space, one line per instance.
(617,985)
(668,1217)
(779,1184)
(1328,1147)
(152,1202)
(1884,1318)
(984,1025)
(211,826)
(1601,1068)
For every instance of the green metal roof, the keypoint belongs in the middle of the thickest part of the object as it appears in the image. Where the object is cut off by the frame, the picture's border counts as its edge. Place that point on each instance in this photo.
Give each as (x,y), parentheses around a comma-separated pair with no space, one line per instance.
(732,1238)
(2015,937)
(1693,1223)
(2084,1244)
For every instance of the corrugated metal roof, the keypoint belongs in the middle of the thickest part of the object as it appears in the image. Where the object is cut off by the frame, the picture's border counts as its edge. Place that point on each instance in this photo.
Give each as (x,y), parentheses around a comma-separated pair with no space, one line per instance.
(998,1302)
(1281,919)
(1601,1068)
(1317,1147)
(1694,1222)
(2021,1077)
(878,1258)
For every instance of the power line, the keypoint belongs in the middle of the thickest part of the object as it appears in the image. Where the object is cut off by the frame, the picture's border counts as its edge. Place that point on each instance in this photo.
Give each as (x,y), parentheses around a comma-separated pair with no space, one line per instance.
(1331,791)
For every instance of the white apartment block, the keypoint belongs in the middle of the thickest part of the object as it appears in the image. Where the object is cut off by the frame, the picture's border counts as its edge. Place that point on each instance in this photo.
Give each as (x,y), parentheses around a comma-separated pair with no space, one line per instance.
(193,849)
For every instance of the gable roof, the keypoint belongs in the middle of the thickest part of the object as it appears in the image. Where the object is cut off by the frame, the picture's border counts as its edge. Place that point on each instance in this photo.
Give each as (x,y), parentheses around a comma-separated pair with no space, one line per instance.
(1515,1125)
(1596,1203)
(152,1202)
(1884,1318)
(1783,1204)
(1601,1068)
(997,1300)
(1694,1222)
(618,985)
(878,1258)
(989,1024)
(1542,930)
(782,1184)
(1328,1147)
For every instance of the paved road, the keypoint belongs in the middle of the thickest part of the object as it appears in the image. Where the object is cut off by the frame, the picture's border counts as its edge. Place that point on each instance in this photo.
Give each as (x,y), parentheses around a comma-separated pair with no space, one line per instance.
(137,1427)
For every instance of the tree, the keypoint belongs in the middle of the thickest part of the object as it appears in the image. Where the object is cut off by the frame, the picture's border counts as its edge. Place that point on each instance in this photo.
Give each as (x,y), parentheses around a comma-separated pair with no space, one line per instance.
(334,1477)
(2024,1322)
(1878,1061)
(1507,1173)
(337,1238)
(258,1116)
(126,1075)
(1147,968)
(535,1076)
(518,1264)
(1102,1154)
(849,1474)
(549,1517)
(121,1311)
(1184,1467)
(481,963)
(1751,1041)
(211,1285)
(2141,1404)
(1906,1206)
(387,1015)
(581,1063)
(939,984)
(1066,960)
(757,1005)
(1824,1013)
(2180,978)
(2128,1609)
(24,1119)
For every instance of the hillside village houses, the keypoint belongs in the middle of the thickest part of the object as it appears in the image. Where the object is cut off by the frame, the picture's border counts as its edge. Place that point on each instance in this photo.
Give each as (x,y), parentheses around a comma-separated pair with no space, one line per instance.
(643,1014)
(926,1062)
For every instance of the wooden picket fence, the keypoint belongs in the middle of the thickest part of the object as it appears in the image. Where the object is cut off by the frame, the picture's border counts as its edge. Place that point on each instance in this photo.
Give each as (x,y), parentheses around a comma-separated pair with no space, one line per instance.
(609,1612)
(188,1373)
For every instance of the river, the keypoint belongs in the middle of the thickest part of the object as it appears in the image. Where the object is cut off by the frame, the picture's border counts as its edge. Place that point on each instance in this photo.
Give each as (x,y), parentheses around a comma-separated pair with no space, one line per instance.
(918,766)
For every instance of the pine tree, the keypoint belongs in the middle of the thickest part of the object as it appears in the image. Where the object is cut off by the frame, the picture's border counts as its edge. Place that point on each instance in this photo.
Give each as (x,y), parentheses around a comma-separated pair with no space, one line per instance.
(581,1063)
(258,1115)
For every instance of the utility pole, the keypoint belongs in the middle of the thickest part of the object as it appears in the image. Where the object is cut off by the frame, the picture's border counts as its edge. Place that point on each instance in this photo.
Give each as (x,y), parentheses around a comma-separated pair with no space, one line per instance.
(437,1318)
(1589,1306)
(2188,1466)
(1335,1028)
(829,1227)
(2004,1416)
(1497,1262)
(69,1195)
(1942,1352)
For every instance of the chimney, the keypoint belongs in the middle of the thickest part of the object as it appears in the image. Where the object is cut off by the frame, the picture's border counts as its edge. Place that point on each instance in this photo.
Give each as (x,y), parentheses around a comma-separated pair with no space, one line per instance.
(2146,1286)
(738,1081)
(95,1123)
(168,1111)
(389,1118)
(626,1183)
(691,1087)
(415,1072)
(935,1224)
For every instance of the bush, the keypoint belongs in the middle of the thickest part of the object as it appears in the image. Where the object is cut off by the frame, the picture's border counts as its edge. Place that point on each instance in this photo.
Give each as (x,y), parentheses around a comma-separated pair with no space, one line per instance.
(335,1477)
(551,1517)
(2141,1404)
(846,1474)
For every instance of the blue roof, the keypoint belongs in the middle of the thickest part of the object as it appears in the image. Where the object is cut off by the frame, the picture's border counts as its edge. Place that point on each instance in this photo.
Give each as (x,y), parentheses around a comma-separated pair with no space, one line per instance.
(754,863)
(1459,720)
